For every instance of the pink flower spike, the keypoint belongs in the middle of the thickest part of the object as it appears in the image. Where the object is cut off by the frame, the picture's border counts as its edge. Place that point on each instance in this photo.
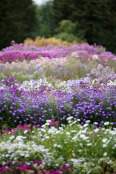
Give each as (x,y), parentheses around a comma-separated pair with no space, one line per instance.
(4,131)
(52,120)
(12,130)
(56,122)
(5,124)
(34,125)
(5,164)
(25,125)
(2,169)
(9,161)
(9,169)
(16,168)
(16,161)
(40,162)
(36,161)
(19,126)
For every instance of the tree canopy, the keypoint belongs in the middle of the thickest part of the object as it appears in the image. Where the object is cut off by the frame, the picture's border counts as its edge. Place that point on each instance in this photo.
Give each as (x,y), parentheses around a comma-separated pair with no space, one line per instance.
(96,19)
(17,21)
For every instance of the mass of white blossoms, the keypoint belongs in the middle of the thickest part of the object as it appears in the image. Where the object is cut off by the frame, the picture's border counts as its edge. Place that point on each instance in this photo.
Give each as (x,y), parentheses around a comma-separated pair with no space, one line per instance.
(40,142)
(95,57)
(34,84)
(112,83)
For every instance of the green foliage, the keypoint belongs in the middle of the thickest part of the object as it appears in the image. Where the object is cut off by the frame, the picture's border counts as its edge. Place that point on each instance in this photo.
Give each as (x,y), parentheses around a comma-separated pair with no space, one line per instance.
(66,26)
(97,170)
(111,144)
(68,10)
(45,20)
(65,144)
(96,20)
(67,37)
(67,31)
(17,21)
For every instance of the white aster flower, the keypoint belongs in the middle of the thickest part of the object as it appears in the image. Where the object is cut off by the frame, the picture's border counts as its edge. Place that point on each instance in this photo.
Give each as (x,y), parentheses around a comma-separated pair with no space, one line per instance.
(96,130)
(3,163)
(104,145)
(95,57)
(47,137)
(85,125)
(7,155)
(47,121)
(105,154)
(75,54)
(69,118)
(73,131)
(80,150)
(26,155)
(11,137)
(74,138)
(89,144)
(106,123)
(112,83)
(87,121)
(43,130)
(84,137)
(104,140)
(95,123)
(19,138)
(25,131)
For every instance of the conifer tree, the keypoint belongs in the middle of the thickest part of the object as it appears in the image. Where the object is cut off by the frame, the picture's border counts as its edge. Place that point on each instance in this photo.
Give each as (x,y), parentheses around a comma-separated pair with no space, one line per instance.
(96,19)
(17,21)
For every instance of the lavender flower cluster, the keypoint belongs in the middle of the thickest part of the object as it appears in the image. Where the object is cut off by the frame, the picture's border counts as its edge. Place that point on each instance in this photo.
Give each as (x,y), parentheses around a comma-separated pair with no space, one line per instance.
(19,107)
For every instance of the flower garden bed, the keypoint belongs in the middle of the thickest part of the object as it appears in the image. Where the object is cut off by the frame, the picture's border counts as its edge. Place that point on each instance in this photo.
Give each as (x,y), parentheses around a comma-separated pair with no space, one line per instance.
(57,110)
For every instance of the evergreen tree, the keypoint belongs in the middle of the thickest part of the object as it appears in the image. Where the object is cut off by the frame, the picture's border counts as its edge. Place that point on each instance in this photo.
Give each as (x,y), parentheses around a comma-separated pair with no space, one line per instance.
(45,19)
(17,21)
(96,19)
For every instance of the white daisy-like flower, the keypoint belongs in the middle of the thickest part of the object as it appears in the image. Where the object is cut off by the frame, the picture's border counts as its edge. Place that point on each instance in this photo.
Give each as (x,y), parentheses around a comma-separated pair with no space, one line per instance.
(105,154)
(95,57)
(106,123)
(104,140)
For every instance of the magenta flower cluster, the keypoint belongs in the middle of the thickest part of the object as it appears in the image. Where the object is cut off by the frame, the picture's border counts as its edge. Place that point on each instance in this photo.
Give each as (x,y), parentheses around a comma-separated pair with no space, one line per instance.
(26,168)
(54,123)
(18,52)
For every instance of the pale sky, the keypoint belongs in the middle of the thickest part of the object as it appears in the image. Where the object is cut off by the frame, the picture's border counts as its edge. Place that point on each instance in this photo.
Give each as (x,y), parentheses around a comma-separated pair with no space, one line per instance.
(40,2)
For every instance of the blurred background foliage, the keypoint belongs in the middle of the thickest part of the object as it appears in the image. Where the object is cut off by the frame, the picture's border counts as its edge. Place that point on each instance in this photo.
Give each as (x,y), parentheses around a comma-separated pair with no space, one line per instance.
(17,21)
(92,21)
(43,42)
